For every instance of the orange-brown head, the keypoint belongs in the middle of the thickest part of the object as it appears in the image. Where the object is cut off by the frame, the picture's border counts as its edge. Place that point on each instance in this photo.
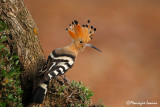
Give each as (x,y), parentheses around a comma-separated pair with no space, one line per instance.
(81,35)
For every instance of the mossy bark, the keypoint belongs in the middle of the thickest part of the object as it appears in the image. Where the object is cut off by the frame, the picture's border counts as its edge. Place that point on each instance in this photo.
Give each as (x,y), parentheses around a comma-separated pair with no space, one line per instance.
(23,40)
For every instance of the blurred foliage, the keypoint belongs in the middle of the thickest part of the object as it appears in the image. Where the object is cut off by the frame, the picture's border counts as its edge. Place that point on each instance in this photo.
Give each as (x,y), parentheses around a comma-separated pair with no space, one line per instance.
(10,90)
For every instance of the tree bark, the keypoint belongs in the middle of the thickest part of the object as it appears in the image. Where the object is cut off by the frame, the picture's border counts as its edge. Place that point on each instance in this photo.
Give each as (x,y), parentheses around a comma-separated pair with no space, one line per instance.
(24,41)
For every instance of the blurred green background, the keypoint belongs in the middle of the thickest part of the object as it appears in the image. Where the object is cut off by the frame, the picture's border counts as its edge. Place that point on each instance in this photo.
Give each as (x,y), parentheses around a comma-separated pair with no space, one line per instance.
(128,33)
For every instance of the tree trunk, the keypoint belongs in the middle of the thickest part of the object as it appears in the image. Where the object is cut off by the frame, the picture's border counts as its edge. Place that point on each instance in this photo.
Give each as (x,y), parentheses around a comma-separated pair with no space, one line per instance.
(23,41)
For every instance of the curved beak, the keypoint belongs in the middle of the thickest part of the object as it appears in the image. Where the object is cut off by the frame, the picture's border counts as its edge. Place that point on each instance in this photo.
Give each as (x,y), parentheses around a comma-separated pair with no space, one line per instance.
(93,47)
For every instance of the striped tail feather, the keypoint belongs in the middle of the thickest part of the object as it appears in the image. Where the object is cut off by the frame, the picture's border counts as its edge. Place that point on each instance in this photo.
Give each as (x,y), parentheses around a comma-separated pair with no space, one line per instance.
(39,93)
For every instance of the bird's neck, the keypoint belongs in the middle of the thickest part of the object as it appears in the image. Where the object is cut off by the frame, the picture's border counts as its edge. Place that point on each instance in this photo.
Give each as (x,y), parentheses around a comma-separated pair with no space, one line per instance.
(72,47)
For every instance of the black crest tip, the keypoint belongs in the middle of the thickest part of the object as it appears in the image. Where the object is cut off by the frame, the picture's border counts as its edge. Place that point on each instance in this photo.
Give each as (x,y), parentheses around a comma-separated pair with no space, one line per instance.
(86,25)
(73,23)
(91,27)
(76,22)
(66,29)
(95,29)
(88,21)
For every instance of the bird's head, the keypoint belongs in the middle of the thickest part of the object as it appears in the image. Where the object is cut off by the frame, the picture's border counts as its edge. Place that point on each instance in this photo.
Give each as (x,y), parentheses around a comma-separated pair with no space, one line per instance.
(81,35)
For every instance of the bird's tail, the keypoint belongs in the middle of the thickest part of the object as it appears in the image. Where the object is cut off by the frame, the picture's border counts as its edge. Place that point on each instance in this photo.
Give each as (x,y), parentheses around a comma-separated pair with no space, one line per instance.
(40,93)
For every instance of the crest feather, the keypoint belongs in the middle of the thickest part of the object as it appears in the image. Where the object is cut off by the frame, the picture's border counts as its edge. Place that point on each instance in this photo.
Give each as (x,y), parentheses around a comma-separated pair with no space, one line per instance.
(83,33)
(78,31)
(72,34)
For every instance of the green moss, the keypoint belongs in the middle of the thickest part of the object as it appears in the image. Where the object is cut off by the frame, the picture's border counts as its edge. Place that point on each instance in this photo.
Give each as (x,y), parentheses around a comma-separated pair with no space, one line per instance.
(10,90)
(86,94)
(64,93)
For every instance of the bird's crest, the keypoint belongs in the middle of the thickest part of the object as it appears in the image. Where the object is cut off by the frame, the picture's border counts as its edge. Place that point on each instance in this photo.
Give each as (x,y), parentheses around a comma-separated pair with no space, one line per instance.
(84,32)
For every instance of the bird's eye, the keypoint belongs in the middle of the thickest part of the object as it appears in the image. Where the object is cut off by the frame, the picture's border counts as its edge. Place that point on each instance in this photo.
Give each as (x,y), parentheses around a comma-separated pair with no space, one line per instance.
(81,42)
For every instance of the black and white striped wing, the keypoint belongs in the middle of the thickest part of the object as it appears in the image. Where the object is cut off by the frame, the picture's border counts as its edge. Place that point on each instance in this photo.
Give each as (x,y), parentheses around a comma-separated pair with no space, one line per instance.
(58,64)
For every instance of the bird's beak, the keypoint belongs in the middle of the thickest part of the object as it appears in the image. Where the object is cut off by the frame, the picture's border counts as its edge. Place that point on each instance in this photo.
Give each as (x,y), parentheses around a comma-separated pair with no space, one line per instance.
(93,47)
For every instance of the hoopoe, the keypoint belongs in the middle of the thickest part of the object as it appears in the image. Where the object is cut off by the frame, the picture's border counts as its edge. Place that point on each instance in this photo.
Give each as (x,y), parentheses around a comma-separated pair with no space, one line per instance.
(62,59)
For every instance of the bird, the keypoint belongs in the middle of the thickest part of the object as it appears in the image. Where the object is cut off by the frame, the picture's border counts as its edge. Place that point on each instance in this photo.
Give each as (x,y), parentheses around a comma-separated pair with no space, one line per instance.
(61,60)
